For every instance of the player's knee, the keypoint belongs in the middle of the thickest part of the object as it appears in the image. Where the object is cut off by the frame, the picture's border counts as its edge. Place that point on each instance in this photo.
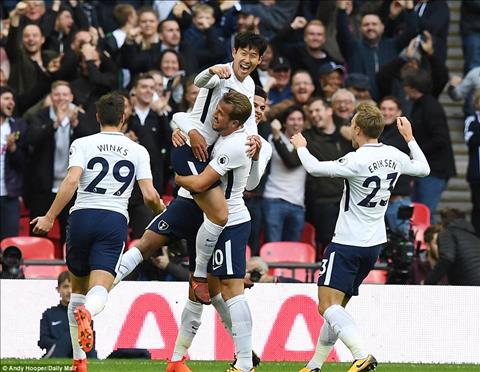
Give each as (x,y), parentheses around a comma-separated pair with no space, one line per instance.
(220,218)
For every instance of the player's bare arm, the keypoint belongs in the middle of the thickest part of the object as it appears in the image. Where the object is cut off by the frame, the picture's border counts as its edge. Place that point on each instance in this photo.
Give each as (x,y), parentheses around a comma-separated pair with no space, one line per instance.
(198,144)
(198,183)
(150,196)
(43,224)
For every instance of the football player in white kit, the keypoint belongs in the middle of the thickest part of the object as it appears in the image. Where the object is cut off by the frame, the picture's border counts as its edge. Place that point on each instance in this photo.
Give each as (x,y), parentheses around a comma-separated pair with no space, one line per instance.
(370,175)
(102,169)
(230,164)
(192,157)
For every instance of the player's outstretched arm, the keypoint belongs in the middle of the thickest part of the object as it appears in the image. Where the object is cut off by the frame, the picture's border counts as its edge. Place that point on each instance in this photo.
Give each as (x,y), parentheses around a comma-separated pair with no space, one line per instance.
(210,77)
(198,183)
(43,224)
(418,165)
(151,197)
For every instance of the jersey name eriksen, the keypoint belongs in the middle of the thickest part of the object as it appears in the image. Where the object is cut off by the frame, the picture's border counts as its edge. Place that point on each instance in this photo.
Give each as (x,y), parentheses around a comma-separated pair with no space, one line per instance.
(382,163)
(115,148)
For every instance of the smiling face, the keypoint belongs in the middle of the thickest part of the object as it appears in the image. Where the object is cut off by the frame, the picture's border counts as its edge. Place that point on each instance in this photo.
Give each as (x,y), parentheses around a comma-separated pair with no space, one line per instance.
(221,117)
(32,39)
(302,87)
(390,111)
(314,36)
(144,91)
(61,97)
(148,23)
(320,115)
(294,123)
(259,104)
(344,104)
(169,64)
(372,27)
(245,60)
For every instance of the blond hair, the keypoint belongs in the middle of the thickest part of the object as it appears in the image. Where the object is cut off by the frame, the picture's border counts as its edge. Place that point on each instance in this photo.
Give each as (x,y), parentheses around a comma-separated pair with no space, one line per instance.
(369,119)
(242,108)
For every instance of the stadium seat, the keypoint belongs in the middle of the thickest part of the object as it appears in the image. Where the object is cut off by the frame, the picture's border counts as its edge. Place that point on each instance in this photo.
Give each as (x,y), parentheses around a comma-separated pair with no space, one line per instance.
(24,212)
(288,252)
(32,247)
(376,277)
(43,271)
(420,221)
(55,236)
(308,234)
(24,226)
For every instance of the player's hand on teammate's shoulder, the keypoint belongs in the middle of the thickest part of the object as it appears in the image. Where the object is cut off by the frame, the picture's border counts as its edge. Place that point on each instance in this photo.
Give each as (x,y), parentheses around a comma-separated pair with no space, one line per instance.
(298,140)
(42,224)
(222,71)
(131,135)
(405,128)
(254,145)
(198,145)
(178,138)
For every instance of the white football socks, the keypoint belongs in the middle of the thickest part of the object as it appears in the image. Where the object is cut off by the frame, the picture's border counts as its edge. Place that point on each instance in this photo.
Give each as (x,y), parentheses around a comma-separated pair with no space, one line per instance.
(241,331)
(130,260)
(189,324)
(207,237)
(96,299)
(345,328)
(326,341)
(222,309)
(75,301)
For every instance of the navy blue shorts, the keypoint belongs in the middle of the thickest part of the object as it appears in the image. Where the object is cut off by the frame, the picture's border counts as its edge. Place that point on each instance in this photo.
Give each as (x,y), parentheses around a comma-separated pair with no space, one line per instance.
(184,163)
(228,259)
(345,266)
(95,240)
(181,220)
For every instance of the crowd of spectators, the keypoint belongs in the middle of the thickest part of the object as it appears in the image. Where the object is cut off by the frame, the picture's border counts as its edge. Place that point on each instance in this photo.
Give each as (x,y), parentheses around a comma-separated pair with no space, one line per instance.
(323,58)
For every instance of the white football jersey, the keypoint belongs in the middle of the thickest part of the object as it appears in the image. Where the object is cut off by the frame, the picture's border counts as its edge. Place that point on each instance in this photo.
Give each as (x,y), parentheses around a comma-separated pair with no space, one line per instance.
(211,91)
(111,163)
(231,162)
(370,175)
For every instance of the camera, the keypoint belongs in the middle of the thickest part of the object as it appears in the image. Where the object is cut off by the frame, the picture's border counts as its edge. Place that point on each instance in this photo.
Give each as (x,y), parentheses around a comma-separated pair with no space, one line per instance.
(399,252)
(255,275)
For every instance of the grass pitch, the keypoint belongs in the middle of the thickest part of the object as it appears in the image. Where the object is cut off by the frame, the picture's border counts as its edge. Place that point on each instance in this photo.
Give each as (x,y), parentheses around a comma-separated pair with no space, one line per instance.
(121,365)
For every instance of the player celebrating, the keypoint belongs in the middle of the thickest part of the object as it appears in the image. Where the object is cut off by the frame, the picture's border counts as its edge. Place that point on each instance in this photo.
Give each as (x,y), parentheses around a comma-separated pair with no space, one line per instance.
(370,175)
(191,159)
(103,168)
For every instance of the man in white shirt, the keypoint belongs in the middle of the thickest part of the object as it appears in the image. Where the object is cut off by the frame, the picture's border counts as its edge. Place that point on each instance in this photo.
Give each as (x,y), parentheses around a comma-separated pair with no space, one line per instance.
(370,175)
(102,170)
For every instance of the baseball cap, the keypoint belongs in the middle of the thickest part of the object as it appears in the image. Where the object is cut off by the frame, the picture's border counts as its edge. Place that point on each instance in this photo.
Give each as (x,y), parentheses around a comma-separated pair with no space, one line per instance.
(280,63)
(357,80)
(328,67)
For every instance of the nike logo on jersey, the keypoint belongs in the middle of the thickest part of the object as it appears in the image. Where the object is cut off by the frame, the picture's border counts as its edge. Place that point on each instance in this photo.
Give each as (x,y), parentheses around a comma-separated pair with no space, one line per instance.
(56,323)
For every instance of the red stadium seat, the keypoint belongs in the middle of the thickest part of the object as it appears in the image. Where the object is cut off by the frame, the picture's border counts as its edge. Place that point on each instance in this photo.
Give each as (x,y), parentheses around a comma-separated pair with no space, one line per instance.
(24,226)
(43,271)
(288,252)
(308,234)
(420,221)
(376,277)
(24,212)
(31,247)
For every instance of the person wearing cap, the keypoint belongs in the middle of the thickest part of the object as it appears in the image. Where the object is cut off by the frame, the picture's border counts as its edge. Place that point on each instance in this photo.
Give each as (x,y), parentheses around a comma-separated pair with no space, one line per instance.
(281,88)
(330,78)
(359,85)
(12,161)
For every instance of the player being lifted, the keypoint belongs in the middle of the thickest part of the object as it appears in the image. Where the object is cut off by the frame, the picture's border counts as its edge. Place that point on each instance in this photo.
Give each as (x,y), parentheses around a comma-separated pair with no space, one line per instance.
(370,175)
(170,225)
(102,169)
(191,158)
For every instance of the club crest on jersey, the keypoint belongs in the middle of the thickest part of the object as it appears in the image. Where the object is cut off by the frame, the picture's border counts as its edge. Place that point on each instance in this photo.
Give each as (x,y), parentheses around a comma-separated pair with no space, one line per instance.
(162,225)
(343,161)
(223,160)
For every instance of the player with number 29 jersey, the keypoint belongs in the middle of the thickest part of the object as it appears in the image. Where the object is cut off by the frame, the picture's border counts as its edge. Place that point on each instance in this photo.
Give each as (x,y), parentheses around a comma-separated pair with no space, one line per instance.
(111,162)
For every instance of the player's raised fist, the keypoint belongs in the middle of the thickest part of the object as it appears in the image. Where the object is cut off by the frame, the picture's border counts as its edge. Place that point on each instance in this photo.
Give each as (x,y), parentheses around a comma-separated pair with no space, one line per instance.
(405,128)
(298,141)
(222,71)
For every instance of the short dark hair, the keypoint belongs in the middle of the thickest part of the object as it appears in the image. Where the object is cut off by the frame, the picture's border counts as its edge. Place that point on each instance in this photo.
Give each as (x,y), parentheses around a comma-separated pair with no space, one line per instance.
(142,76)
(419,80)
(242,108)
(160,25)
(449,214)
(64,275)
(110,109)
(393,99)
(326,104)
(6,89)
(260,92)
(251,41)
(289,110)
(430,232)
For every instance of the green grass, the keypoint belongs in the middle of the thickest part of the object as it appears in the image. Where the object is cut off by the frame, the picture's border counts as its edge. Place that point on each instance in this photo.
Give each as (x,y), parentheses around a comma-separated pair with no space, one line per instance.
(156,366)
